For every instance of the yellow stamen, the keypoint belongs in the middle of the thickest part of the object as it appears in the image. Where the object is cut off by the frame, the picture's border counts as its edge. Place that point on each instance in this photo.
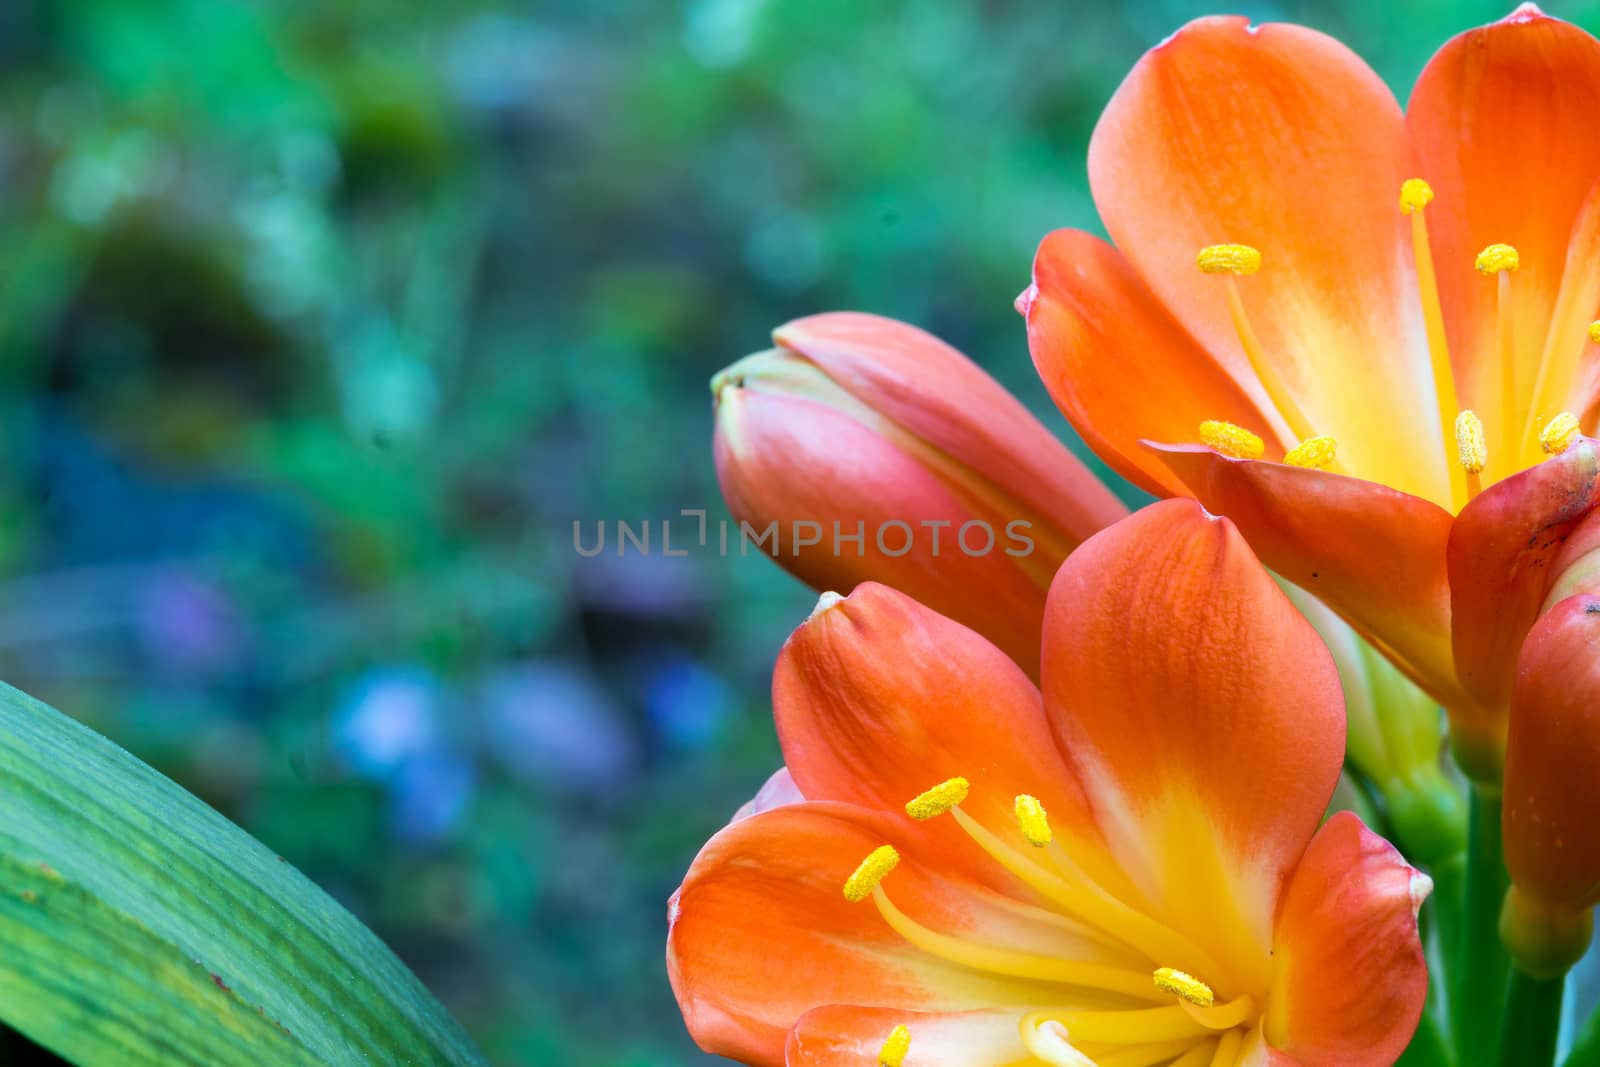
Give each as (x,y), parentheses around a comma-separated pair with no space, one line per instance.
(1228,1049)
(1184,985)
(1075,893)
(1470,446)
(873,869)
(1472,451)
(1497,258)
(1315,452)
(1130,1026)
(1502,261)
(895,1048)
(1033,822)
(1231,440)
(1145,1055)
(1198,1056)
(1594,332)
(1011,963)
(1228,259)
(938,800)
(1415,195)
(1558,433)
(1047,1041)
(1221,1016)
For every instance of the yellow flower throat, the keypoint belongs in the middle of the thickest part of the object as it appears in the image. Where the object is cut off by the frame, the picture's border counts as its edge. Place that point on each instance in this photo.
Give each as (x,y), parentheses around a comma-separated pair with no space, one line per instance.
(1158,1015)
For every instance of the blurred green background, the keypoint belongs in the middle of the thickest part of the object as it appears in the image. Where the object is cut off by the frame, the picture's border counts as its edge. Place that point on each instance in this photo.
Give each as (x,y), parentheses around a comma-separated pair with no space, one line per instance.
(322,322)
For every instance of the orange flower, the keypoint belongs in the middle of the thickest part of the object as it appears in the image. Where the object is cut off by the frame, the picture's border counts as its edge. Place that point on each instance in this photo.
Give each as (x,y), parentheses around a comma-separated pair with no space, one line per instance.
(1124,869)
(1387,275)
(882,453)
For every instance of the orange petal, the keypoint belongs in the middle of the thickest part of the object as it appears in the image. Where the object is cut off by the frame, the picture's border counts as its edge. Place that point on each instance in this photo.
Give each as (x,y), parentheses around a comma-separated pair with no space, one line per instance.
(877,698)
(942,398)
(1118,365)
(818,472)
(1281,138)
(1374,555)
(1551,806)
(1171,656)
(1568,381)
(1351,978)
(1502,120)
(760,932)
(1503,553)
(842,1035)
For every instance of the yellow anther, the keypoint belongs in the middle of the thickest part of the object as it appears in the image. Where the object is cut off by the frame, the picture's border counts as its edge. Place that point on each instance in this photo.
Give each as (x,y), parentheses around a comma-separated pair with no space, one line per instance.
(1558,433)
(1186,986)
(1033,822)
(938,800)
(1312,452)
(873,869)
(1231,440)
(1415,194)
(895,1048)
(1228,259)
(1471,448)
(1594,332)
(1496,258)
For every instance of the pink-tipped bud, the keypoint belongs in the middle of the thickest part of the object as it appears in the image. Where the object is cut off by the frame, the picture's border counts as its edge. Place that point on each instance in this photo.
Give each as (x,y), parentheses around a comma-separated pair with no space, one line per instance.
(861,448)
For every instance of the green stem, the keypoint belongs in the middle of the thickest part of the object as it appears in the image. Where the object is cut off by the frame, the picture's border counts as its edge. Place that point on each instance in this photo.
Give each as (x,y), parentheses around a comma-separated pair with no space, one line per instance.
(1532,1020)
(1477,988)
(1447,911)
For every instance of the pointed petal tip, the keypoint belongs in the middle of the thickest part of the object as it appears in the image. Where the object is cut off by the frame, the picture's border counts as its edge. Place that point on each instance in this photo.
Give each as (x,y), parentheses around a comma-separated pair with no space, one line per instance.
(1026,299)
(1421,888)
(825,603)
(1528,12)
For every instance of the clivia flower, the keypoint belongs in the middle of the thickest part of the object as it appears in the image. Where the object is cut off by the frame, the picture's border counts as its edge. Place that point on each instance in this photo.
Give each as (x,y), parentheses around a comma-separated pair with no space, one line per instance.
(1366,336)
(861,448)
(1124,868)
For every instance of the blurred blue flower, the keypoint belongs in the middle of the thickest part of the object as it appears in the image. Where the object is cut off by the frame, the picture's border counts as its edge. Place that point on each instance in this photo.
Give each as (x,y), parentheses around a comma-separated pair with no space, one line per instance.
(552,723)
(687,703)
(188,623)
(388,719)
(429,796)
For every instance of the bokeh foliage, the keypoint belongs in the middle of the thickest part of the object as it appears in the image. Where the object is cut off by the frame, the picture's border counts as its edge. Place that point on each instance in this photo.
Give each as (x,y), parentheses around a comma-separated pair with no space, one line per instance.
(320,324)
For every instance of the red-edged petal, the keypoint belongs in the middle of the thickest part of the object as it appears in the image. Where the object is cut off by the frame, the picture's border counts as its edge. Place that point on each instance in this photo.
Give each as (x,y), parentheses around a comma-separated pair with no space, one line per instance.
(1502,120)
(1551,807)
(1502,555)
(760,932)
(841,1035)
(945,400)
(1350,977)
(1280,137)
(877,698)
(1374,555)
(1118,365)
(818,473)
(1172,663)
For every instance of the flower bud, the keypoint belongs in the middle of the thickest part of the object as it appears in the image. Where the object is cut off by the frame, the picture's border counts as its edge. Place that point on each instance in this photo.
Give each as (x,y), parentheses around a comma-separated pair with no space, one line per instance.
(1551,813)
(861,448)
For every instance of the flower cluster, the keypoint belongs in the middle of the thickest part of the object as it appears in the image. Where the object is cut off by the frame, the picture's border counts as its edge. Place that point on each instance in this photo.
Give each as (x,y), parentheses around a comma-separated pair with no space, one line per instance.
(1068,807)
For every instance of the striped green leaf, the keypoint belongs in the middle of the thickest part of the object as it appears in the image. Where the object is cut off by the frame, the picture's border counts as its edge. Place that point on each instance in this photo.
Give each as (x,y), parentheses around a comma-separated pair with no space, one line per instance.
(138,926)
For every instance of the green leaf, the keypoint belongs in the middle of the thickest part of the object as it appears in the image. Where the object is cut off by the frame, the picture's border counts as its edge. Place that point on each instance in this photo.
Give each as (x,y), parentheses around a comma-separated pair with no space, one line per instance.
(138,926)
